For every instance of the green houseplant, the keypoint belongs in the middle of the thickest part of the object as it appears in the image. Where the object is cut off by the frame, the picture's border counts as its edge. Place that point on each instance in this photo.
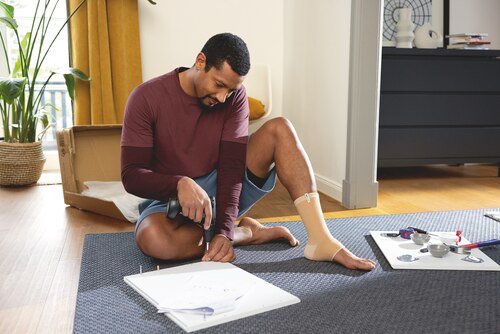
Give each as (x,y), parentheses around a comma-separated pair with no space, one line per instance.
(21,103)
(21,107)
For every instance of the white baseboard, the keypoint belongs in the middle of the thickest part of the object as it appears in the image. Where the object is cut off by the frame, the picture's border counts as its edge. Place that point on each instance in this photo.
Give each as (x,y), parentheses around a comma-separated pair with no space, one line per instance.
(329,187)
(359,195)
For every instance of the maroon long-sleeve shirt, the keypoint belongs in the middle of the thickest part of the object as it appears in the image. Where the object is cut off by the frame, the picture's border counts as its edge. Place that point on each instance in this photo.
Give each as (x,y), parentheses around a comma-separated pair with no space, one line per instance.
(168,134)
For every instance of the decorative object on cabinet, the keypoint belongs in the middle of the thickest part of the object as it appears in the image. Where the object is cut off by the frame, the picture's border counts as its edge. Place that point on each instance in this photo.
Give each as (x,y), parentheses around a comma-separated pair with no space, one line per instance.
(426,37)
(423,11)
(404,29)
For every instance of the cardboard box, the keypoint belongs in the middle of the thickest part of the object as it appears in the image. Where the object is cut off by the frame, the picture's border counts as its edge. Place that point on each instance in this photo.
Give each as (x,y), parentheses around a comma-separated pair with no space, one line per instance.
(89,153)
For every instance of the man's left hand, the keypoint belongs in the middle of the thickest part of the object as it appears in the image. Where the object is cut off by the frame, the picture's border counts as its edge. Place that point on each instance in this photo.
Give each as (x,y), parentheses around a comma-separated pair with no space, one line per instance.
(220,250)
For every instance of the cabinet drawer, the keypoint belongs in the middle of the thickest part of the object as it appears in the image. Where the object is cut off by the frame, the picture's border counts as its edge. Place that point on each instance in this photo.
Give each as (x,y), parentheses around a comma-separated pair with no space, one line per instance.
(442,143)
(439,109)
(429,74)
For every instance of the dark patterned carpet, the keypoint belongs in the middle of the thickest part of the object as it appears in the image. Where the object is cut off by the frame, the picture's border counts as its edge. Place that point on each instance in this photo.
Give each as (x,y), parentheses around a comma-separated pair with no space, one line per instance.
(333,299)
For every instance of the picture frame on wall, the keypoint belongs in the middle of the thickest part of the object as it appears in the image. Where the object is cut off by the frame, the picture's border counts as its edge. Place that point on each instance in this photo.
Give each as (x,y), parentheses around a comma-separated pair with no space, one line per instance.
(423,11)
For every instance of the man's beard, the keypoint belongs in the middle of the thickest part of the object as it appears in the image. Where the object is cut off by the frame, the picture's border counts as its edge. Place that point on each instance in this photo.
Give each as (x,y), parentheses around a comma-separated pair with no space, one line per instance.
(212,103)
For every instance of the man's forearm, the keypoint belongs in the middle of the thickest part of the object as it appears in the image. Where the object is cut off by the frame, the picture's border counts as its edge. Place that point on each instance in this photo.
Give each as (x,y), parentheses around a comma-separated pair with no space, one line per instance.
(232,161)
(138,178)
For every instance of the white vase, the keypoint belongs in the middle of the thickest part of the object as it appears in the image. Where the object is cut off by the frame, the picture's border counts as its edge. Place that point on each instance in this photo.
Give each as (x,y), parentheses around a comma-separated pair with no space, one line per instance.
(427,38)
(404,29)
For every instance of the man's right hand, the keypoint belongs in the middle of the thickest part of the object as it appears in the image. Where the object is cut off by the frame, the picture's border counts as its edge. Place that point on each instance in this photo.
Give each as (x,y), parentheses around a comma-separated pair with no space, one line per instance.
(194,201)
(220,250)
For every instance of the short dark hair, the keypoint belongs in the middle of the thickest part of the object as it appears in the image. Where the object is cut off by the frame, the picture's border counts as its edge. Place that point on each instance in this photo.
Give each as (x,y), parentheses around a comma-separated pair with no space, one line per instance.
(227,47)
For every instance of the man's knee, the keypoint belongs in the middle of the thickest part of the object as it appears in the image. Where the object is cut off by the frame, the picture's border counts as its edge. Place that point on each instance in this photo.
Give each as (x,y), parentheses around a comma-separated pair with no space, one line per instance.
(279,126)
(154,240)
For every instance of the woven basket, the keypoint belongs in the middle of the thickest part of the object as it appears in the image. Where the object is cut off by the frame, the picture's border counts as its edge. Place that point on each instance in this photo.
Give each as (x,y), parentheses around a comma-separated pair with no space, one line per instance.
(20,164)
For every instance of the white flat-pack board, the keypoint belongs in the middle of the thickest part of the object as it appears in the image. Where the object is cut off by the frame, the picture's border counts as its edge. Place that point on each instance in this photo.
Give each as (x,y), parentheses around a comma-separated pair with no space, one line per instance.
(392,247)
(186,293)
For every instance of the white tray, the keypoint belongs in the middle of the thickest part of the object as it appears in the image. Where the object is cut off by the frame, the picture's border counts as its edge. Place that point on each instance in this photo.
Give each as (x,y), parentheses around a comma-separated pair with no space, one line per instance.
(392,247)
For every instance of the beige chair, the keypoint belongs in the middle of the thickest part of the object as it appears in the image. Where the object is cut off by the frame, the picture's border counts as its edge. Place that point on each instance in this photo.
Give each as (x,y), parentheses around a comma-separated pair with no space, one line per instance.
(258,86)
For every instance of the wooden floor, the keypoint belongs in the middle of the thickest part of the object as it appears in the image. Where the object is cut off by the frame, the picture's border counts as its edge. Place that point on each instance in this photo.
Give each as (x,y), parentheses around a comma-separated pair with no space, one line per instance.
(41,239)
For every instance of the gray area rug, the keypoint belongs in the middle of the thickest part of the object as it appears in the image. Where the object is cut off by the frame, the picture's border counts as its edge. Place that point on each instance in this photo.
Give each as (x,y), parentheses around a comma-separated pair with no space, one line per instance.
(333,299)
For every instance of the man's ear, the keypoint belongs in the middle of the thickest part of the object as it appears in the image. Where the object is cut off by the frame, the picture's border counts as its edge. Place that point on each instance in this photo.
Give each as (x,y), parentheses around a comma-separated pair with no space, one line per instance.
(200,61)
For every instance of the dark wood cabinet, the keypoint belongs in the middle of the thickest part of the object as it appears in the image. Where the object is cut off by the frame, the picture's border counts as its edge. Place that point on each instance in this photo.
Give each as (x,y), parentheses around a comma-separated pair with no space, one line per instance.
(439,107)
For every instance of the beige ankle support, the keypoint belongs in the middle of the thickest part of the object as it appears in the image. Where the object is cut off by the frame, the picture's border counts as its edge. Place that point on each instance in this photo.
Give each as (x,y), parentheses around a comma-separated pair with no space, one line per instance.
(321,245)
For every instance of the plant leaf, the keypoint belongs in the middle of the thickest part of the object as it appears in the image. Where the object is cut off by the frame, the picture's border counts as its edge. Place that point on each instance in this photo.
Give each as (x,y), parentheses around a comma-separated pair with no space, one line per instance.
(69,75)
(152,2)
(10,23)
(11,88)
(51,106)
(25,41)
(44,116)
(77,73)
(70,85)
(17,70)
(7,9)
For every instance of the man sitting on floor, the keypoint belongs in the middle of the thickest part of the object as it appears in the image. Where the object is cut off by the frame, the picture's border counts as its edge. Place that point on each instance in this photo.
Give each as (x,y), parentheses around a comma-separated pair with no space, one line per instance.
(185,134)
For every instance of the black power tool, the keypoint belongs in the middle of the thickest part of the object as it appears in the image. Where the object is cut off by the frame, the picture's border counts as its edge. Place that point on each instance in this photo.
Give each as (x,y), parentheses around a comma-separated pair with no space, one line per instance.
(173,209)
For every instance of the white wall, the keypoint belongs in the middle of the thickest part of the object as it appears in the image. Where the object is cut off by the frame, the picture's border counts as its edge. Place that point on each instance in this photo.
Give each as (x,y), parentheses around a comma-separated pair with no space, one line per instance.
(174,31)
(316,78)
(480,16)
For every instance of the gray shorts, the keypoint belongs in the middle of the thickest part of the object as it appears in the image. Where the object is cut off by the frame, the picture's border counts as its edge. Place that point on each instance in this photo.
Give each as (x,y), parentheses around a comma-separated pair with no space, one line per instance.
(250,194)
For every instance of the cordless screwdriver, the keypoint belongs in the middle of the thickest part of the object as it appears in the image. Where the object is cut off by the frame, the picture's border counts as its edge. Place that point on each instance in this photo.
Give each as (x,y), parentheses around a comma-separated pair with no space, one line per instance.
(174,208)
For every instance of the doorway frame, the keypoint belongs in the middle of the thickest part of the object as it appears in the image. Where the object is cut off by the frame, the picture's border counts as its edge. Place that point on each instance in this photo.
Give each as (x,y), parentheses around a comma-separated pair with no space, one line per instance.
(360,186)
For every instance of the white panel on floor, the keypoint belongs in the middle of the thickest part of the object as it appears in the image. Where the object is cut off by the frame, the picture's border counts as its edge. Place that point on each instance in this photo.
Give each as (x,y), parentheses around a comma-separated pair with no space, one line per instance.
(174,286)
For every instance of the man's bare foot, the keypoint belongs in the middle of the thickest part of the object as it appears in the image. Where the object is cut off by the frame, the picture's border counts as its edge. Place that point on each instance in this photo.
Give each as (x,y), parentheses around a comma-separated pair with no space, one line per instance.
(347,259)
(251,232)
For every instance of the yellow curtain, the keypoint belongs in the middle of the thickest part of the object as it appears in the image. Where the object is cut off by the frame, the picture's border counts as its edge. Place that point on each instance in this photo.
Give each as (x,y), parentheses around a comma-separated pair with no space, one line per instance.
(105,45)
